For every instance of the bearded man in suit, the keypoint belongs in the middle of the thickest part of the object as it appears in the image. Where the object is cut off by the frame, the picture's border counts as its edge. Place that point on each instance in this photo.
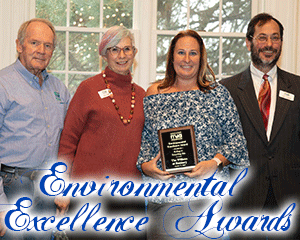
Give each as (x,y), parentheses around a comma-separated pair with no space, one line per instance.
(268,101)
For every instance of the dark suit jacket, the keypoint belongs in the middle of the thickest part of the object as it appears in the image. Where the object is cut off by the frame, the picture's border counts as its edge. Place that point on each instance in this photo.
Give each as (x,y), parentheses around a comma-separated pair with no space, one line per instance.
(277,160)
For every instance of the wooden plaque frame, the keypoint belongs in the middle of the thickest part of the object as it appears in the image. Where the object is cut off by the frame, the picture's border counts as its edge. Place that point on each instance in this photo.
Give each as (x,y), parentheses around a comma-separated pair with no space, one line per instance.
(178,149)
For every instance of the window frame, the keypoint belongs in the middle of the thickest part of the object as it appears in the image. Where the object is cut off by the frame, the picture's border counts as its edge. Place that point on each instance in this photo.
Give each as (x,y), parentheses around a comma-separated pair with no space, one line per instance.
(218,34)
(146,33)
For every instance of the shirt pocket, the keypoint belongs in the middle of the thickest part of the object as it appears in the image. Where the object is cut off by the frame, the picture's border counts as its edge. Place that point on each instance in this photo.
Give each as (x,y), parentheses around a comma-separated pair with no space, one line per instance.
(59,113)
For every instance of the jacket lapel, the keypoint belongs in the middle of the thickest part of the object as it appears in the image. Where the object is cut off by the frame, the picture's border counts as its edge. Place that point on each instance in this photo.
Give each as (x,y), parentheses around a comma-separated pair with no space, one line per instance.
(282,105)
(248,99)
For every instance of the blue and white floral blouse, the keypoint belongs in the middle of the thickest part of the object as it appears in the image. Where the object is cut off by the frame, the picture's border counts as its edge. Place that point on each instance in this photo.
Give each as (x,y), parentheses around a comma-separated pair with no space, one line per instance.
(216,123)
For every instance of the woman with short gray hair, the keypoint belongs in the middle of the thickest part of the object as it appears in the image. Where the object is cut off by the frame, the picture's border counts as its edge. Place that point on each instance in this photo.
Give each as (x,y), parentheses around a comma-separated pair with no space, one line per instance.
(104,122)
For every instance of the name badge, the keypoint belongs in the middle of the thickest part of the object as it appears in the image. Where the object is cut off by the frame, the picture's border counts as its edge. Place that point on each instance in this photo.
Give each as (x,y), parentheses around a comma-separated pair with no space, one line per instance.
(104,93)
(286,95)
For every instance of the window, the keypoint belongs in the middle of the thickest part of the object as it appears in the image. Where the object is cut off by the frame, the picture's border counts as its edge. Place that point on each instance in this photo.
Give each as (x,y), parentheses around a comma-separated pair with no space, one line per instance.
(221,24)
(81,23)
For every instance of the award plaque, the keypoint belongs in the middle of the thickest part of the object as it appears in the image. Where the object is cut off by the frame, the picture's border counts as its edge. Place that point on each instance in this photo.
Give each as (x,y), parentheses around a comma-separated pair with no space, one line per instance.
(178,149)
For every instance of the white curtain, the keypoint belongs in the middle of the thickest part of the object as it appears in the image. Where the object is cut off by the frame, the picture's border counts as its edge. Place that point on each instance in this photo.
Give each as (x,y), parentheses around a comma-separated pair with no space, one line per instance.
(288,13)
(12,14)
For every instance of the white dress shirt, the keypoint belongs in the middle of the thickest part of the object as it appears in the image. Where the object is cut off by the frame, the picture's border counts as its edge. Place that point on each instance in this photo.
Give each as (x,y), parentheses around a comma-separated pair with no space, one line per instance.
(257,77)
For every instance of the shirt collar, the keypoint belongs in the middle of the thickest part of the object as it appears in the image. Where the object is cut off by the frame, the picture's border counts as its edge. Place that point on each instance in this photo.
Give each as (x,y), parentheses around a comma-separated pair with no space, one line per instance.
(259,74)
(28,75)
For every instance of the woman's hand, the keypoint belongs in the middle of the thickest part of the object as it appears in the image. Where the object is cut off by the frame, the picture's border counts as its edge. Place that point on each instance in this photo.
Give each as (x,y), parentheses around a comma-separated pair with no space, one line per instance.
(203,169)
(207,168)
(151,170)
(62,205)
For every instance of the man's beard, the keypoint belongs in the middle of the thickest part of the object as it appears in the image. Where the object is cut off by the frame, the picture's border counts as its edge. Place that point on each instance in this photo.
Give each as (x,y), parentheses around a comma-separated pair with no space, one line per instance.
(257,61)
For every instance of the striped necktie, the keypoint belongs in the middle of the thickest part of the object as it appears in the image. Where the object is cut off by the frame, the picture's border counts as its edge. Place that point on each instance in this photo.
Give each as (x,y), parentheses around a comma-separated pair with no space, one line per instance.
(264,100)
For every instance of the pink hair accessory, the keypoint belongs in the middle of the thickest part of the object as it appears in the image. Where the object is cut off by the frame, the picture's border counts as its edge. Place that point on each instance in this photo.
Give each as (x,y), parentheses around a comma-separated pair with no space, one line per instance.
(106,39)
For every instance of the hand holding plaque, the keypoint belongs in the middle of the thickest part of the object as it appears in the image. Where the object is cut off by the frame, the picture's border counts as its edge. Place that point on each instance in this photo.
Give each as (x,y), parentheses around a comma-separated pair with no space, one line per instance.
(178,149)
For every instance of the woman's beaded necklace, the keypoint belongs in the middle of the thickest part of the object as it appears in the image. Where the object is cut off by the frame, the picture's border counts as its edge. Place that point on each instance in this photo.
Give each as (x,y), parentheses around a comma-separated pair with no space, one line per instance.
(128,120)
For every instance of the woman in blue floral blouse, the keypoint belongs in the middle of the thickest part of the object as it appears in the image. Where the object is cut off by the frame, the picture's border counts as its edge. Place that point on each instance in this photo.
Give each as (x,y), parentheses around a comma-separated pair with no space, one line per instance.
(188,95)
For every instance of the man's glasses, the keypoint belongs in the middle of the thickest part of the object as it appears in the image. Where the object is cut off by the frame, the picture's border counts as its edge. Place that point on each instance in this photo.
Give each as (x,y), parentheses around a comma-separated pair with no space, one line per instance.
(115,51)
(264,38)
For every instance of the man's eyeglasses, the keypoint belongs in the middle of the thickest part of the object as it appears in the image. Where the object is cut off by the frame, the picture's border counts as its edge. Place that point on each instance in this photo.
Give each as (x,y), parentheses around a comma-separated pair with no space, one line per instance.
(115,51)
(264,38)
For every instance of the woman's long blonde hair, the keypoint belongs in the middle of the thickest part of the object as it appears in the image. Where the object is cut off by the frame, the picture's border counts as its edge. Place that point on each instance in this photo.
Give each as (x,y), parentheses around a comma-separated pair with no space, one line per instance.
(206,77)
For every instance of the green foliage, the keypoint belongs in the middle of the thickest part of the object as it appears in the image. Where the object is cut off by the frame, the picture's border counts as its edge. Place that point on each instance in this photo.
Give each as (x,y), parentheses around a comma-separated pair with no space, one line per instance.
(83,53)
(204,16)
(171,15)
(118,12)
(53,10)
(85,13)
